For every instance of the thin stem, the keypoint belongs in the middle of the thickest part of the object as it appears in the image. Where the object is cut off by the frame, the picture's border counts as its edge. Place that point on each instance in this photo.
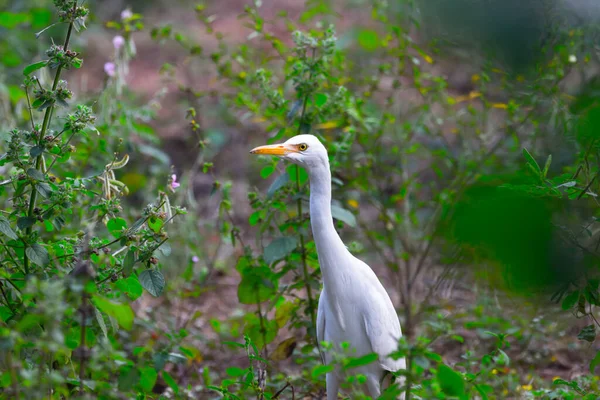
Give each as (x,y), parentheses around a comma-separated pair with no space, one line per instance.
(311,303)
(82,346)
(12,310)
(38,161)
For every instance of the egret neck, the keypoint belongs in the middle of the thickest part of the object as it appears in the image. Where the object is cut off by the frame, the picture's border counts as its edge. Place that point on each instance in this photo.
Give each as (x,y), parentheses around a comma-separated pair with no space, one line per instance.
(328,242)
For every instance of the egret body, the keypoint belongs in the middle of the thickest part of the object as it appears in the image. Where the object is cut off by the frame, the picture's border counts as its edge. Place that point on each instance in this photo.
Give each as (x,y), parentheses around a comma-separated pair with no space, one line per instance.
(354,306)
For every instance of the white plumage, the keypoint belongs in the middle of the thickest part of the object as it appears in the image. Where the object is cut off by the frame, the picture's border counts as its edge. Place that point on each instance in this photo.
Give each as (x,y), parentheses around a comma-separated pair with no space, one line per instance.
(354,306)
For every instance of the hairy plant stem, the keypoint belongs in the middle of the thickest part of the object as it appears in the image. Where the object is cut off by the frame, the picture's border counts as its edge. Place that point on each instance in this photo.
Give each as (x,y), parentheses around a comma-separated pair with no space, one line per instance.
(38,160)
(311,303)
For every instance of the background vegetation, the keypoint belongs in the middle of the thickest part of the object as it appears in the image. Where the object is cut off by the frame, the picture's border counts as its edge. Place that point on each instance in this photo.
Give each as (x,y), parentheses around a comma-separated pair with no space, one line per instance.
(144,254)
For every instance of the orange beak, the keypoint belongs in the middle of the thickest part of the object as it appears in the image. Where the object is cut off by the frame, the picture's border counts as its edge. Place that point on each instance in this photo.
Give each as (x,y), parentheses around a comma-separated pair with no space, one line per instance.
(274,150)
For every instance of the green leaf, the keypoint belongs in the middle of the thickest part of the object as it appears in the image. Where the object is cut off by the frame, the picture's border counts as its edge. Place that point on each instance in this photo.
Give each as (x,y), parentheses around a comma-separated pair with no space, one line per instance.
(34,67)
(153,281)
(320,370)
(235,371)
(320,99)
(267,171)
(101,322)
(547,165)
(279,248)
(10,20)
(25,222)
(44,189)
(170,381)
(115,226)
(165,249)
(255,286)
(368,39)
(120,312)
(570,300)
(148,376)
(36,174)
(6,229)
(595,362)
(588,333)
(155,224)
(38,254)
(36,151)
(277,184)
(129,262)
(451,382)
(533,165)
(128,379)
(130,286)
(302,174)
(341,214)
(354,362)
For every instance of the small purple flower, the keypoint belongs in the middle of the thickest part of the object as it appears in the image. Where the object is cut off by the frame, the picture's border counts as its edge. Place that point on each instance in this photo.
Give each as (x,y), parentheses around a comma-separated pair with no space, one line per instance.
(110,69)
(195,259)
(118,41)
(126,14)
(173,184)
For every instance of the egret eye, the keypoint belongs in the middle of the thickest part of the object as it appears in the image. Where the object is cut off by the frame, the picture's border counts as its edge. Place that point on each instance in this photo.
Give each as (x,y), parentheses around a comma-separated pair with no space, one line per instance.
(302,146)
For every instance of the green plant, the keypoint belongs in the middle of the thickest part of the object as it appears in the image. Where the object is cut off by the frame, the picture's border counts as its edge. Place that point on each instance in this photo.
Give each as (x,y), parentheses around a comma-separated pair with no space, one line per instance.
(71,262)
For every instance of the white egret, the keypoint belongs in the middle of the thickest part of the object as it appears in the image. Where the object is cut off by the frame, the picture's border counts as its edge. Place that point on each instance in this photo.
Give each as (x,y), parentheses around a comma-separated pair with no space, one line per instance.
(354,306)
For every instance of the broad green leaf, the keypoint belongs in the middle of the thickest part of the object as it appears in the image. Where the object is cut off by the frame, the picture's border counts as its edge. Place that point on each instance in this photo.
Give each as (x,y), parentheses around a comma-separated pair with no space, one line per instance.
(343,215)
(101,322)
(36,174)
(533,165)
(588,333)
(6,229)
(155,224)
(44,189)
(255,286)
(320,370)
(38,254)
(279,248)
(267,171)
(360,361)
(368,39)
(171,382)
(129,262)
(10,20)
(570,300)
(34,67)
(36,151)
(130,286)
(235,371)
(148,377)
(128,379)
(122,313)
(300,176)
(277,184)
(451,382)
(261,334)
(595,362)
(153,281)
(115,226)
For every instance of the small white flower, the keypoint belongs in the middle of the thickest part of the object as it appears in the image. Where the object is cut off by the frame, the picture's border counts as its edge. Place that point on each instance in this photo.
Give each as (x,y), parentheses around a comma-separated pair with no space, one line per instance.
(110,69)
(126,14)
(195,259)
(572,58)
(118,42)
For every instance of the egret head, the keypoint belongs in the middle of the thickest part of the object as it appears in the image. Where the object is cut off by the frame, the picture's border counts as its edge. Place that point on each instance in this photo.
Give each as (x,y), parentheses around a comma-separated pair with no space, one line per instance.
(305,150)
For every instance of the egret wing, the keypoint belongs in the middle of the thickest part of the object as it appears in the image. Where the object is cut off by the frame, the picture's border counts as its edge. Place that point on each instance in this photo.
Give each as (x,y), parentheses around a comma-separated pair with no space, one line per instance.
(382,325)
(321,324)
